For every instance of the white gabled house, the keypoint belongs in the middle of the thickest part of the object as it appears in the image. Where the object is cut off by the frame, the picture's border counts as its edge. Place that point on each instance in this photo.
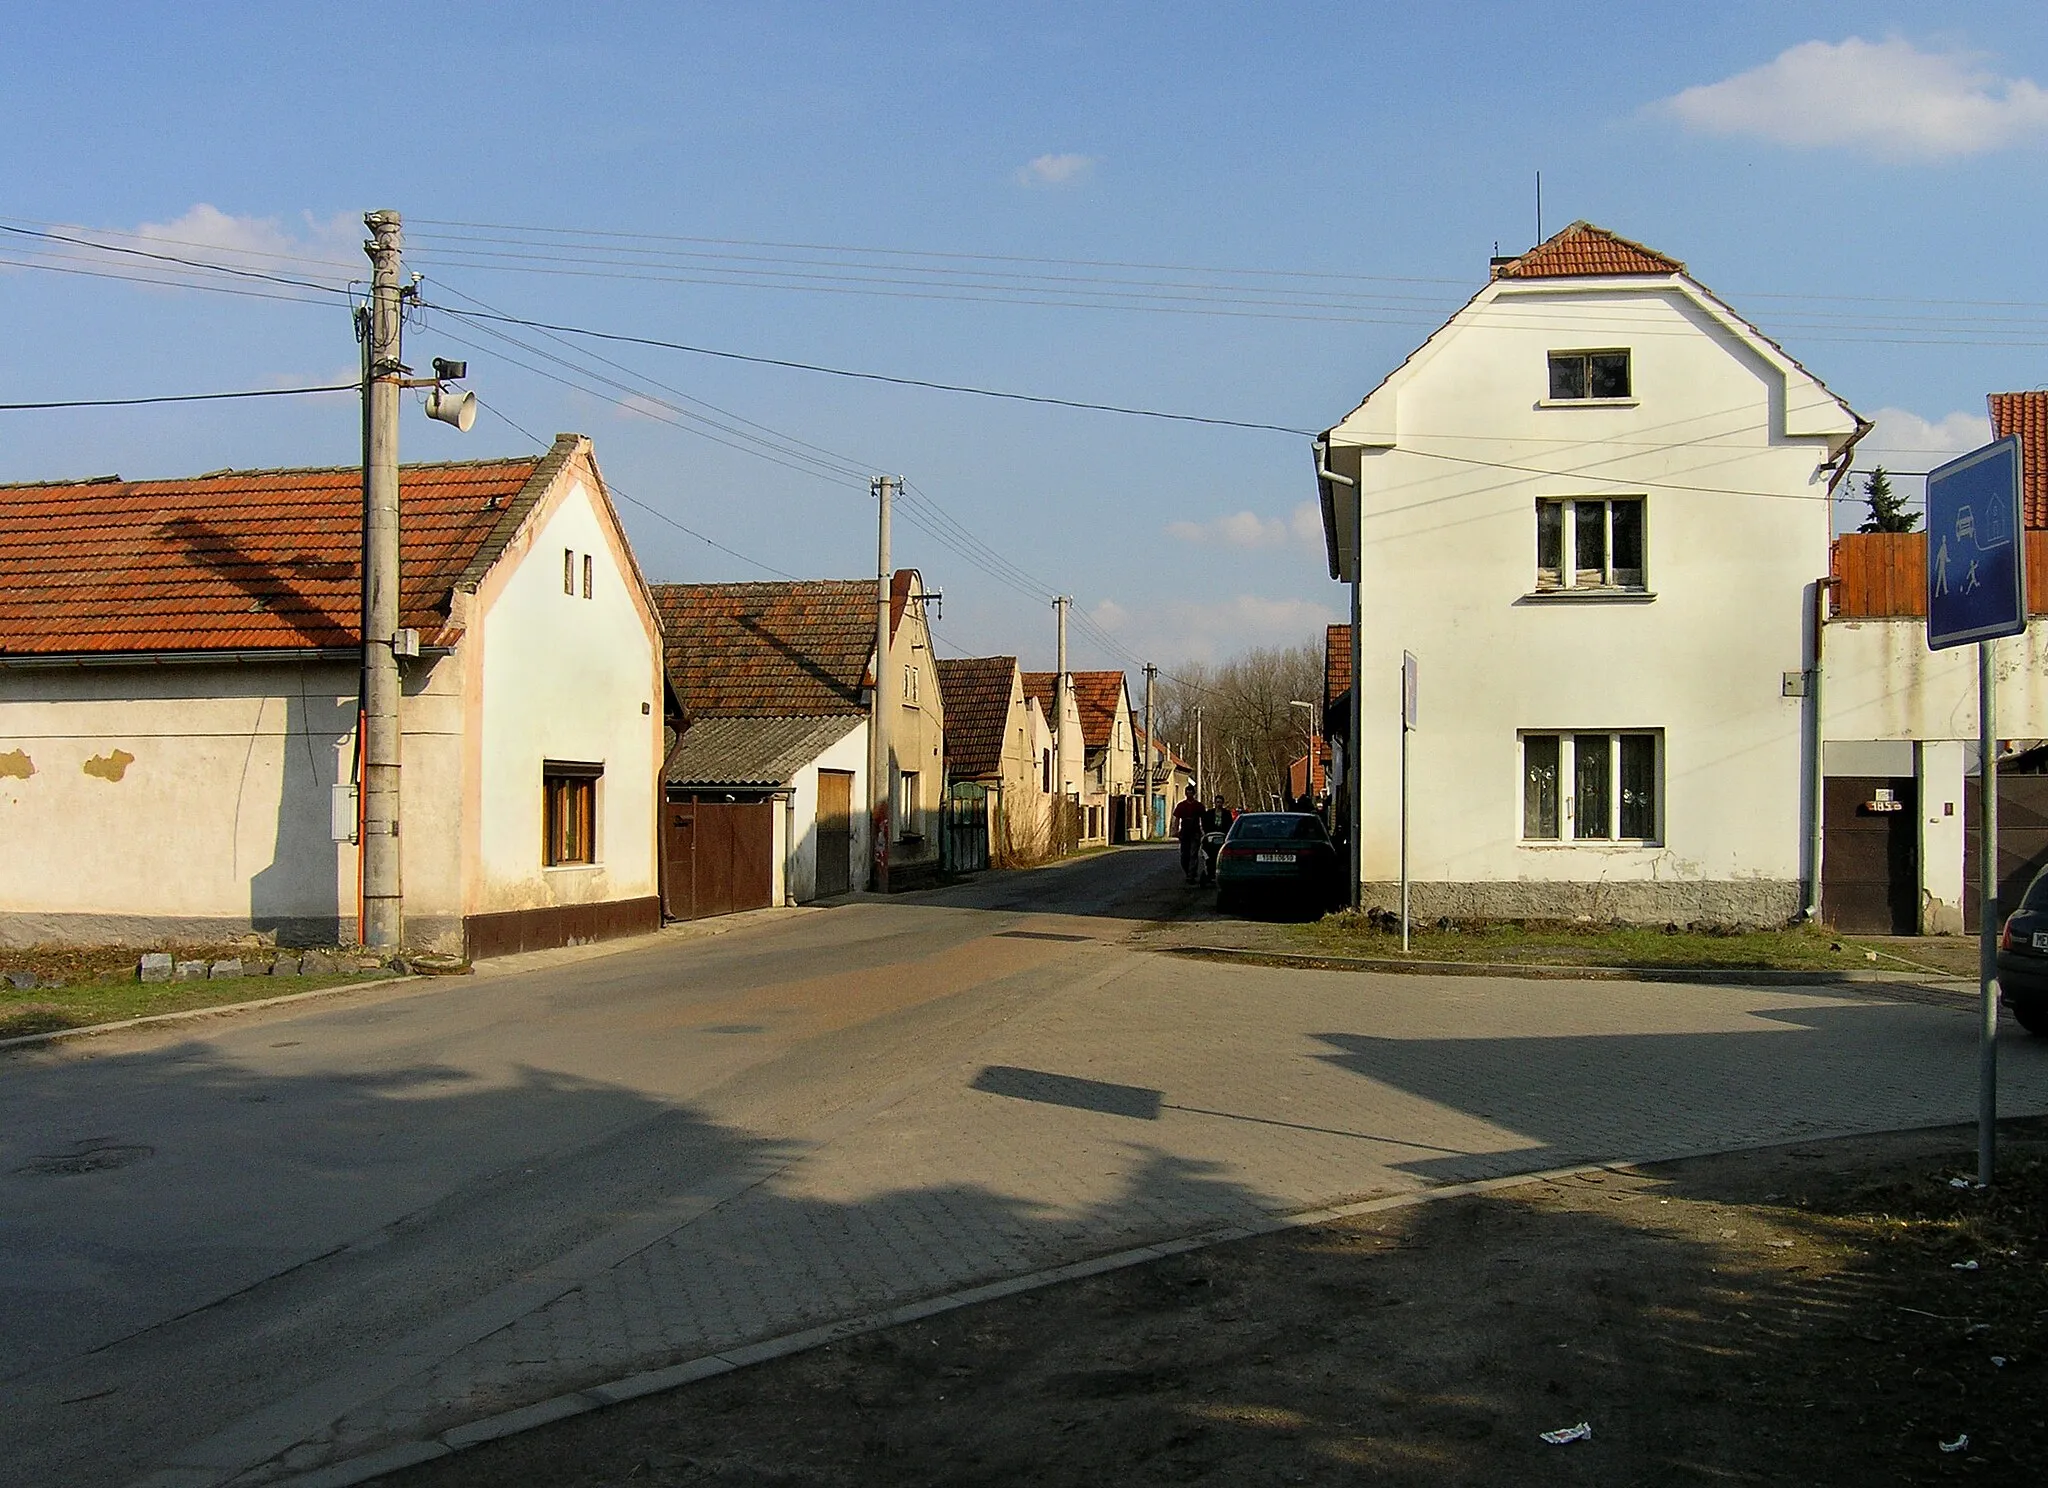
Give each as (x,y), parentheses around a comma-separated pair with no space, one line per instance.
(178,703)
(1594,505)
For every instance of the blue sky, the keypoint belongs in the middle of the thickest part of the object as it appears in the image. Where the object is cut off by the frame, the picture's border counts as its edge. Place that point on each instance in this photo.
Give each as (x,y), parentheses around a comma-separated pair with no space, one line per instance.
(1844,175)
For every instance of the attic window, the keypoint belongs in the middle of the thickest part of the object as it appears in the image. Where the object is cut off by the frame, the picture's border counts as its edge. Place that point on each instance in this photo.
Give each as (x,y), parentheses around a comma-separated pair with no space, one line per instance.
(586,576)
(1588,376)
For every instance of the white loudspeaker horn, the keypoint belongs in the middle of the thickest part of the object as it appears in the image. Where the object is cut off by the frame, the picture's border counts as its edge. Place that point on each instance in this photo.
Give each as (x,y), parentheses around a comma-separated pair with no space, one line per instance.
(452,406)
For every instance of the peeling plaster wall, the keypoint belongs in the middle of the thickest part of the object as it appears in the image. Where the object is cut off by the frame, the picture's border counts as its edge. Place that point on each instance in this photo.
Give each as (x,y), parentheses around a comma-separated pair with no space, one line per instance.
(186,796)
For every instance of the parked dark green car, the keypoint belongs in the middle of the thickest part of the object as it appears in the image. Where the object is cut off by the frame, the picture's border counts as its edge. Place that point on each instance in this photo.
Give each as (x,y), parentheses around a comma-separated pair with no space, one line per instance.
(1280,859)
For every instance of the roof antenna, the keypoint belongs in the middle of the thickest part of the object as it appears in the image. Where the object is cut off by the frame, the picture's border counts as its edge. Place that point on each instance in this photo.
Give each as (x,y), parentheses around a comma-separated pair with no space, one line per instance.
(1539,206)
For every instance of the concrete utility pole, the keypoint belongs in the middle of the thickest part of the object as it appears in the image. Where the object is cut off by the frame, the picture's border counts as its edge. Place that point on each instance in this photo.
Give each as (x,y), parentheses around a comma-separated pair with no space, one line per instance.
(383,916)
(1201,787)
(1151,671)
(879,751)
(1061,690)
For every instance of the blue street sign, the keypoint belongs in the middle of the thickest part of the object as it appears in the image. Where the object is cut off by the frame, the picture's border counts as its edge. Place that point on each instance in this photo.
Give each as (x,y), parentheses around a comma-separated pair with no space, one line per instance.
(1976,549)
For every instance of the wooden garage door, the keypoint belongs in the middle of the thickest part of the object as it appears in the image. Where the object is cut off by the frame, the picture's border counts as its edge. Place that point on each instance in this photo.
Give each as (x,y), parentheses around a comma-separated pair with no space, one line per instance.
(2022,840)
(1870,875)
(835,832)
(720,855)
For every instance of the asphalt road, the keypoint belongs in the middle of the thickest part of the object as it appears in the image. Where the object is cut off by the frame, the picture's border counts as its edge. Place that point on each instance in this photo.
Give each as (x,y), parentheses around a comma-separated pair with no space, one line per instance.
(197,1220)
(235,1250)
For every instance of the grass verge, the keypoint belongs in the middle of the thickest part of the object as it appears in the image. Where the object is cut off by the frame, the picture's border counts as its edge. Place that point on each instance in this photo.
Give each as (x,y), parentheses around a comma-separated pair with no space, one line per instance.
(1565,944)
(99,986)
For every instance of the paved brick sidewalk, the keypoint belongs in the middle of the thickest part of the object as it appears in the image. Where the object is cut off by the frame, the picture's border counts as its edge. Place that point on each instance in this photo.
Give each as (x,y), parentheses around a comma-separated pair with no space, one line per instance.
(1159,1098)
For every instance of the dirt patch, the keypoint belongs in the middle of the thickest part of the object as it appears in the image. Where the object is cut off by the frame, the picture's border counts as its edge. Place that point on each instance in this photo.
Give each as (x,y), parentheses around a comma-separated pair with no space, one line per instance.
(1799,1315)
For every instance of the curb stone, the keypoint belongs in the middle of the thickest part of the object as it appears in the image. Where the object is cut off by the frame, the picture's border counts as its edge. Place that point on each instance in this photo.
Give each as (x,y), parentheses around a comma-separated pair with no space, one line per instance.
(220,1009)
(355,1470)
(1708,975)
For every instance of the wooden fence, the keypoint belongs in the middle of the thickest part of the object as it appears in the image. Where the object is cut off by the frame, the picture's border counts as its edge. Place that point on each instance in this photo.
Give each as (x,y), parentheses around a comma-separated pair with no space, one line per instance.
(1883,575)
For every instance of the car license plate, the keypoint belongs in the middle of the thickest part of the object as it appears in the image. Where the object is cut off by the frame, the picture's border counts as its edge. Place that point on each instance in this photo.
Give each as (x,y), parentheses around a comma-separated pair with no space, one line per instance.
(1276,857)
(2041,940)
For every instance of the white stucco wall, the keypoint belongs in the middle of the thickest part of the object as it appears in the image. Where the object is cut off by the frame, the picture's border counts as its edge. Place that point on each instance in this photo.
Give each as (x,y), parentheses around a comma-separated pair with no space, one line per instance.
(138,802)
(555,676)
(850,754)
(1736,532)
(1881,682)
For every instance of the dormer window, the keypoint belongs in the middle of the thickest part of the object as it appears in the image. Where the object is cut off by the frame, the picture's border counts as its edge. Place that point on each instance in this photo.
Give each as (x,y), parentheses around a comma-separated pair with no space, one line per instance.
(1589,376)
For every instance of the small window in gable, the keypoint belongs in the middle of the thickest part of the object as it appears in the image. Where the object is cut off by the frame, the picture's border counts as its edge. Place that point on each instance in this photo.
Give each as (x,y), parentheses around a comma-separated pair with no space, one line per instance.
(586,576)
(569,572)
(1577,376)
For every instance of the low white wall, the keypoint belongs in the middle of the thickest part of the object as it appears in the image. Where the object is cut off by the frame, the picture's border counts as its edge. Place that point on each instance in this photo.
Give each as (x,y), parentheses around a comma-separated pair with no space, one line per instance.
(1880,681)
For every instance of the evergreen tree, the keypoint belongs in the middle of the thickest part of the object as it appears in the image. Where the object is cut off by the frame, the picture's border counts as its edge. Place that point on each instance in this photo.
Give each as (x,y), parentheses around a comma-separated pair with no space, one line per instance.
(1887,512)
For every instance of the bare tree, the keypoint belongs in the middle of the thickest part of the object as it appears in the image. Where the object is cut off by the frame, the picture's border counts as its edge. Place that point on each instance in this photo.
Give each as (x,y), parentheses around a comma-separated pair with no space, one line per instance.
(1250,730)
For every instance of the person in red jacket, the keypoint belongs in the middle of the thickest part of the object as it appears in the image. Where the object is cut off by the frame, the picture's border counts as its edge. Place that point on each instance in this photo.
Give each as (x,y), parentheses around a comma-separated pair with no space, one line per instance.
(1187,826)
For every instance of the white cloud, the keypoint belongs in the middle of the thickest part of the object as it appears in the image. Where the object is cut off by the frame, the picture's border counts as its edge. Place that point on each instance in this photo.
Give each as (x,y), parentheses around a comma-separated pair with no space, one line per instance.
(1903,440)
(1247,529)
(1056,170)
(1887,98)
(326,251)
(1211,630)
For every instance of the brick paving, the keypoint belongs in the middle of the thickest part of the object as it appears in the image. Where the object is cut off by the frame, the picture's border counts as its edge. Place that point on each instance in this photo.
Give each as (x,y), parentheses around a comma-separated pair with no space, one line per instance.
(1175,1098)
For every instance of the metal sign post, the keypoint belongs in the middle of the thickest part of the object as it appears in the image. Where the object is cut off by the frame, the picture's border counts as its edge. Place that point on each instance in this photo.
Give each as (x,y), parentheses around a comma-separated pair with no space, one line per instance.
(1977,592)
(1408,680)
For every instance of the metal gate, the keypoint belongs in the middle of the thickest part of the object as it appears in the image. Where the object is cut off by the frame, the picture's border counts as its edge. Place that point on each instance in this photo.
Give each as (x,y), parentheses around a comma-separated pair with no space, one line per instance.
(963,833)
(2022,840)
(720,857)
(1870,862)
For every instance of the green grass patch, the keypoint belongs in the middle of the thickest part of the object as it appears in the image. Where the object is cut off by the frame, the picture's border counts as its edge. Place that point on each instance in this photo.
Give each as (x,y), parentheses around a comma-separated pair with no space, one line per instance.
(1800,948)
(100,986)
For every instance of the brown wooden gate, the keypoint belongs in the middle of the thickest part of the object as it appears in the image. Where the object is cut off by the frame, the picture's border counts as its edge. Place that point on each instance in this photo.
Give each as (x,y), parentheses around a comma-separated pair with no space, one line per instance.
(835,832)
(2022,840)
(1870,864)
(720,856)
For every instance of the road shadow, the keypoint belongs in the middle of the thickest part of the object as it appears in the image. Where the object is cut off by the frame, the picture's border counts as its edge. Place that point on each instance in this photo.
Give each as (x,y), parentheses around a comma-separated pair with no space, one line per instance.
(1554,1101)
(193,1239)
(1706,1320)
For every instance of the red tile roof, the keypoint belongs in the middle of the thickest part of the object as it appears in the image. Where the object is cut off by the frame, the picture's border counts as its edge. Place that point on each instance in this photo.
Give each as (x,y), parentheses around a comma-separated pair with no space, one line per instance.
(1040,685)
(245,560)
(2026,414)
(1097,695)
(1336,662)
(1583,250)
(1166,751)
(798,649)
(976,691)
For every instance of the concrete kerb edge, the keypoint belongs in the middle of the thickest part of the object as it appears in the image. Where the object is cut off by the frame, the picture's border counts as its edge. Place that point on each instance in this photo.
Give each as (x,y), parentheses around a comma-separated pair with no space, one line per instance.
(1701,975)
(218,1010)
(634,1386)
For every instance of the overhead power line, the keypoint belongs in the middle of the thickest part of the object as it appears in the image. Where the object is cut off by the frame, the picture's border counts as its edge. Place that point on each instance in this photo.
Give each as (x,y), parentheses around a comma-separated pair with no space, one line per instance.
(916,382)
(171,258)
(290,392)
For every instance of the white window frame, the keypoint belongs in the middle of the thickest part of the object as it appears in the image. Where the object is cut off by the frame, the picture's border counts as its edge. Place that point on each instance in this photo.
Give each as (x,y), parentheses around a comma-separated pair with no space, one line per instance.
(1567,788)
(909,808)
(1568,545)
(1587,399)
